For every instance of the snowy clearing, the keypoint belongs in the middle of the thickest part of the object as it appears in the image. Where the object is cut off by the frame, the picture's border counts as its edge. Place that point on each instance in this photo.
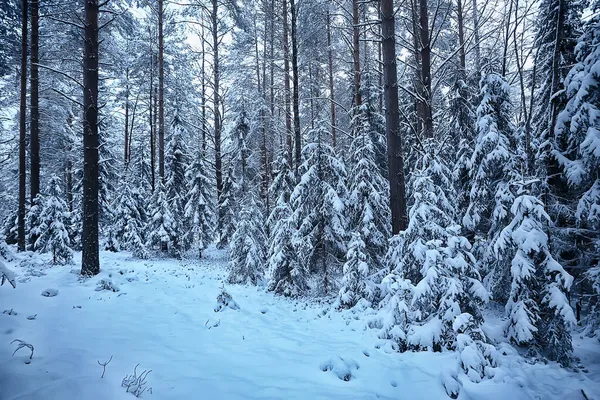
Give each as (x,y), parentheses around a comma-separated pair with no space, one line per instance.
(161,314)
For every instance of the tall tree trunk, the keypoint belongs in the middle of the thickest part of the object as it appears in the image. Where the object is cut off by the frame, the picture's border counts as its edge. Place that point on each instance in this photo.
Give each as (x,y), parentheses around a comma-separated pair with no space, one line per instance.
(90,262)
(286,86)
(462,56)
(477,39)
(296,96)
(34,139)
(161,94)
(506,39)
(392,118)
(331,85)
(151,122)
(356,53)
(22,127)
(203,96)
(425,50)
(216,97)
(126,147)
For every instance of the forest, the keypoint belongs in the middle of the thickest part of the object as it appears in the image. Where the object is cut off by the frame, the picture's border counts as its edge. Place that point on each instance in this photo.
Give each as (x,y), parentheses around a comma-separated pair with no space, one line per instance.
(423,172)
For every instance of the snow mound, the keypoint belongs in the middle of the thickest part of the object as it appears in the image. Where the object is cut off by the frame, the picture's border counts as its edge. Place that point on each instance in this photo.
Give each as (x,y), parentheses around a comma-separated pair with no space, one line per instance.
(50,292)
(224,301)
(107,284)
(343,368)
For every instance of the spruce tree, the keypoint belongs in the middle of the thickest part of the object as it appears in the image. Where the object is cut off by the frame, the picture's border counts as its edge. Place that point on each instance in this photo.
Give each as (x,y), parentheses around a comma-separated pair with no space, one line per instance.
(539,314)
(51,231)
(129,219)
(228,209)
(198,209)
(318,202)
(163,228)
(356,285)
(247,252)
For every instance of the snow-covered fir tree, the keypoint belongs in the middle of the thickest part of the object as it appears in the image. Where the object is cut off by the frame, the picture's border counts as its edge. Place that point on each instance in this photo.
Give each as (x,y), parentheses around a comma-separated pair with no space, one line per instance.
(198,209)
(286,275)
(432,299)
(356,285)
(247,250)
(162,230)
(368,210)
(129,219)
(539,314)
(577,133)
(228,208)
(51,231)
(176,184)
(319,210)
(494,164)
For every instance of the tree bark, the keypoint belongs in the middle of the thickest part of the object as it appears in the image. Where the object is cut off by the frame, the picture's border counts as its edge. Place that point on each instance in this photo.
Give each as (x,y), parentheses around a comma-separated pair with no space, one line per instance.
(461,36)
(161,95)
(331,85)
(296,96)
(126,147)
(392,119)
(151,112)
(356,53)
(425,50)
(216,98)
(34,139)
(286,86)
(22,127)
(477,39)
(90,262)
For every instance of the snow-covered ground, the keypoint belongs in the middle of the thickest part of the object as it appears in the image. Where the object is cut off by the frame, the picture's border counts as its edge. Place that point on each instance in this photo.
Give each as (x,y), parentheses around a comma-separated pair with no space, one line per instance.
(163,318)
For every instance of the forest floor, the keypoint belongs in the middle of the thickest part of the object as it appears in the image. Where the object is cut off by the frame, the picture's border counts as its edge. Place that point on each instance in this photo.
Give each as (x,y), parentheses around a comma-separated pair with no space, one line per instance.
(163,317)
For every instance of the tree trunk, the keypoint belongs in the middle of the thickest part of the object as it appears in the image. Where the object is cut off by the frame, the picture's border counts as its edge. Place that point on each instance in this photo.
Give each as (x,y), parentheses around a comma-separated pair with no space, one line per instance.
(461,37)
(392,118)
(203,96)
(34,138)
(297,137)
(90,262)
(331,85)
(356,53)
(286,86)
(161,95)
(126,147)
(425,45)
(477,39)
(216,98)
(151,117)
(22,136)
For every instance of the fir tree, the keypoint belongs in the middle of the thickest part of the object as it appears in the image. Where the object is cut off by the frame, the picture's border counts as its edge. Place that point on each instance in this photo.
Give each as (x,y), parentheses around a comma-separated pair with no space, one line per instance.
(368,201)
(247,253)
(127,229)
(538,311)
(176,163)
(198,209)
(356,286)
(227,209)
(318,203)
(163,229)
(51,231)
(577,133)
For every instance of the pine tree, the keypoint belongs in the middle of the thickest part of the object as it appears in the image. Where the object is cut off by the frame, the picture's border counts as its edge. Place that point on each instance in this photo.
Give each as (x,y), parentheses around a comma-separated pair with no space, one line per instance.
(51,231)
(538,311)
(281,189)
(318,203)
(198,209)
(247,253)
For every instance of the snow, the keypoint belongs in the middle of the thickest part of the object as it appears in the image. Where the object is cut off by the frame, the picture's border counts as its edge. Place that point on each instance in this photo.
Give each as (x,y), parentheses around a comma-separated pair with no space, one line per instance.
(163,319)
